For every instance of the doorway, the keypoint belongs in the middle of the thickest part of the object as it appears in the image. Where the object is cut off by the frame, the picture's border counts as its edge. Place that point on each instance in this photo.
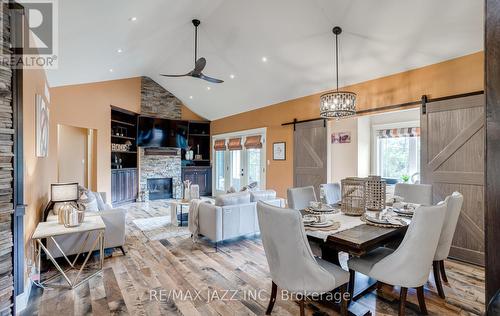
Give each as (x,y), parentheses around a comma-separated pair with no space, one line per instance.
(239,160)
(76,155)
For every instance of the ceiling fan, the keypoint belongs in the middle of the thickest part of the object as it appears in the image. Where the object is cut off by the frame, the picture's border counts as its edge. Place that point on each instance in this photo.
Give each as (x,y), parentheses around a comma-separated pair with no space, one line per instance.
(199,64)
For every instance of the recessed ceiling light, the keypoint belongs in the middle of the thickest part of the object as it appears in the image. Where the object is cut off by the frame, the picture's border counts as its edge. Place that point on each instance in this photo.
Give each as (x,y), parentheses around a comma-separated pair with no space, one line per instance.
(231,76)
(119,50)
(111,70)
(264,59)
(133,19)
(190,96)
(208,88)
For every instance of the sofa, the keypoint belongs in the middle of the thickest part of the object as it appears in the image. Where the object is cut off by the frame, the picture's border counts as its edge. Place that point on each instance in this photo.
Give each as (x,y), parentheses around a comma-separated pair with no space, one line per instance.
(234,214)
(114,234)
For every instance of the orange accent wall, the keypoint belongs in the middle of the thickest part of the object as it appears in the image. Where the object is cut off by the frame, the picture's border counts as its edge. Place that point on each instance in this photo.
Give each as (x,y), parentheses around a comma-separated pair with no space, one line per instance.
(38,172)
(456,76)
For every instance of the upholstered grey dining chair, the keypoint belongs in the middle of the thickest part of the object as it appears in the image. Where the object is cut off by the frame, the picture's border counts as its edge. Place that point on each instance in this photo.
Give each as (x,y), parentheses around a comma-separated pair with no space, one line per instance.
(299,198)
(453,209)
(291,262)
(408,265)
(414,193)
(331,192)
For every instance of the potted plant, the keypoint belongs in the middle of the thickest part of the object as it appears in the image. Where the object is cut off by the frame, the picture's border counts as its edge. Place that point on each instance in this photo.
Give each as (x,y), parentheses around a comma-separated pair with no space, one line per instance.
(405,178)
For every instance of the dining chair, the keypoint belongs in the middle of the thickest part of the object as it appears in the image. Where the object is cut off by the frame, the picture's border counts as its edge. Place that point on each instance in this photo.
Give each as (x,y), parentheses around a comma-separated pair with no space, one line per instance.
(291,262)
(408,265)
(414,193)
(299,198)
(453,209)
(331,192)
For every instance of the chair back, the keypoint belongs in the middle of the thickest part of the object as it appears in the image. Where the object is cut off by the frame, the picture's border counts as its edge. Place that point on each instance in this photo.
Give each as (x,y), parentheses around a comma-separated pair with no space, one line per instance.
(299,198)
(409,264)
(291,261)
(414,193)
(331,192)
(454,203)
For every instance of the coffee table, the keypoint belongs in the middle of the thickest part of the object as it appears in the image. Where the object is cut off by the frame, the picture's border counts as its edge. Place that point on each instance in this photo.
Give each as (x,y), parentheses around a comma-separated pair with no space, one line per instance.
(176,207)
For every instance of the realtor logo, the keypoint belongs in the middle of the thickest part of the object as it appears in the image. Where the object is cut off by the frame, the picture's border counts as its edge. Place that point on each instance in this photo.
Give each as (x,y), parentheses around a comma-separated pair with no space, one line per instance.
(36,34)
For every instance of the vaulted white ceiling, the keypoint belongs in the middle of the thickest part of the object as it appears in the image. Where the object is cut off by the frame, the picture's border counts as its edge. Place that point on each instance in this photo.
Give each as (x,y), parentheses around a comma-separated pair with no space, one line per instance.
(380,38)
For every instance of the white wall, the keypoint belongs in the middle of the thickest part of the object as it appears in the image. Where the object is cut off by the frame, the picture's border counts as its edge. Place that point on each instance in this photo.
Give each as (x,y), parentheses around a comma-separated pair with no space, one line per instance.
(343,157)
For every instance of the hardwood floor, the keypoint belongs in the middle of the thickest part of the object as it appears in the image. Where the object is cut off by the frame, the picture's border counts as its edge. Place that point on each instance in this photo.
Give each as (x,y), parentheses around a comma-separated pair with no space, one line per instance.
(231,281)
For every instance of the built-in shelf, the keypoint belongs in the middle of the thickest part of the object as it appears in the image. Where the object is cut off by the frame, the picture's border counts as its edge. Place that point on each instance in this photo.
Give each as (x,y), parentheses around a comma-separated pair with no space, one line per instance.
(124,123)
(124,181)
(123,137)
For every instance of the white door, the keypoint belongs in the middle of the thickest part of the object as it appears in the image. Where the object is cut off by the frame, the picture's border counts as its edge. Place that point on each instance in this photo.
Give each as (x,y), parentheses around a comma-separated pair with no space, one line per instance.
(238,168)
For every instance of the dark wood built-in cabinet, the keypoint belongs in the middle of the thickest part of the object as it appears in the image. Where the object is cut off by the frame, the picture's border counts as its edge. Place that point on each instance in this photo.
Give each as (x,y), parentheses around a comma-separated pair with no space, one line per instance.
(200,175)
(124,175)
(124,185)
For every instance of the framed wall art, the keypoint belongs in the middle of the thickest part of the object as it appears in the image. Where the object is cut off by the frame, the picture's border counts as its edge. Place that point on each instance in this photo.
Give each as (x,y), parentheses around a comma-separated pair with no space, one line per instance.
(279,151)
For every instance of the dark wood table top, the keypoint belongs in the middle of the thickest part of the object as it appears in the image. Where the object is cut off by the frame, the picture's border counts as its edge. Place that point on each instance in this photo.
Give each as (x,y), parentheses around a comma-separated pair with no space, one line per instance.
(361,239)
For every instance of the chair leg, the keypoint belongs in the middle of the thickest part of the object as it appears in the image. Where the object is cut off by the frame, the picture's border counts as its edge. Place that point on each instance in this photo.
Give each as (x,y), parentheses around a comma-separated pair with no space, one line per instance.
(123,250)
(272,300)
(301,304)
(421,300)
(402,301)
(437,278)
(344,300)
(443,272)
(352,276)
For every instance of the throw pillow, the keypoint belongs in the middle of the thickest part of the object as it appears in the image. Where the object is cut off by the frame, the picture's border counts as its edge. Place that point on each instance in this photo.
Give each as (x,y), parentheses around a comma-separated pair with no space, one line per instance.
(100,202)
(87,199)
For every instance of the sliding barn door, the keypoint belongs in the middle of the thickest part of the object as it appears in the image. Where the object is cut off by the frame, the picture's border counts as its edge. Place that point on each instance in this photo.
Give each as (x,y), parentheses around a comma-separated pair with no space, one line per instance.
(452,136)
(309,154)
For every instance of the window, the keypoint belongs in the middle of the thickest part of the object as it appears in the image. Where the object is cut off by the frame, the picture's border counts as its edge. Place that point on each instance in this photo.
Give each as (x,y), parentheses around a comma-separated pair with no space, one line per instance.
(219,170)
(398,152)
(239,160)
(254,165)
(235,169)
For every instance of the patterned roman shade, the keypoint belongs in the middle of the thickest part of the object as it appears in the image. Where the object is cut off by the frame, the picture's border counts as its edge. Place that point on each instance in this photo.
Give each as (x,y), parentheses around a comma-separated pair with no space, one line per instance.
(253,142)
(235,144)
(220,145)
(399,132)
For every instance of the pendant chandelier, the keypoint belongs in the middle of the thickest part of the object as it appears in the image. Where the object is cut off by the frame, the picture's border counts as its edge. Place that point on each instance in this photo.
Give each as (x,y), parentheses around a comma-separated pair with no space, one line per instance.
(337,104)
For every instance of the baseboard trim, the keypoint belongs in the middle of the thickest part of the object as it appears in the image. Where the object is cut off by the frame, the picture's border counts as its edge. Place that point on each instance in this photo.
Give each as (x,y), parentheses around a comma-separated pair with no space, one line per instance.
(22,299)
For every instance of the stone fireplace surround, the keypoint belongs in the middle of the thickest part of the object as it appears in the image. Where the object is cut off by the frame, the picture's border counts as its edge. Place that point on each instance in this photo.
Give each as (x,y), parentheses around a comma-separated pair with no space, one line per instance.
(158,102)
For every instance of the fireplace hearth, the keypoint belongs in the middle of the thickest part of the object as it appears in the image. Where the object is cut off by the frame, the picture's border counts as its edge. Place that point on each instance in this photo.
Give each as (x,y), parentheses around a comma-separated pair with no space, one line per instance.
(160,188)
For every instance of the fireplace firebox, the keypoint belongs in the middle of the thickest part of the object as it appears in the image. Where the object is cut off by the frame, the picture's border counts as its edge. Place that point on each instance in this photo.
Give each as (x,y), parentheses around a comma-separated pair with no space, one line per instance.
(160,188)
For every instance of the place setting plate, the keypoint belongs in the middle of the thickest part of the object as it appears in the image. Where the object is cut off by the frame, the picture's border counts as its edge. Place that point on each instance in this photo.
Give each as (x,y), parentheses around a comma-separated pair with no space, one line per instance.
(321,208)
(383,220)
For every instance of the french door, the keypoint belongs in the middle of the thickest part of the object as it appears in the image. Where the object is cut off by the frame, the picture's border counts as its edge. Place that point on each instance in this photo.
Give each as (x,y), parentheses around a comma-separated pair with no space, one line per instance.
(236,167)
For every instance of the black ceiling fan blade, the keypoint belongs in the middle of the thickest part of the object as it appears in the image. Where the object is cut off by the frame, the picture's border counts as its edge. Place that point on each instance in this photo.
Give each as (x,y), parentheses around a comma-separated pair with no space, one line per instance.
(200,65)
(176,76)
(210,79)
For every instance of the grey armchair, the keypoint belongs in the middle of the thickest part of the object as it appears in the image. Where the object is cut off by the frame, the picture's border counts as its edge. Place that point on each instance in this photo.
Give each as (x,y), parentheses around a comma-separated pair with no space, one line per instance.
(414,193)
(291,262)
(408,265)
(299,198)
(454,203)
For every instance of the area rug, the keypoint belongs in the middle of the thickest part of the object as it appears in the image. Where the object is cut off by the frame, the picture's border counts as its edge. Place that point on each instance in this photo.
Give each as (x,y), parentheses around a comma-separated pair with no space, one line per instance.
(157,228)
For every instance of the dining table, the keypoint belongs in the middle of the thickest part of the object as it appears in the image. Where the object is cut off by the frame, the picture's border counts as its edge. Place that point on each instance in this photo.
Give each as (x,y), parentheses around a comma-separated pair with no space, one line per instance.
(355,241)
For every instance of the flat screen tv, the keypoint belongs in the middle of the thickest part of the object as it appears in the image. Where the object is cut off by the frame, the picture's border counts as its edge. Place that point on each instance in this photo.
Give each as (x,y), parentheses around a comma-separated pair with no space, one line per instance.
(156,132)
(152,132)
